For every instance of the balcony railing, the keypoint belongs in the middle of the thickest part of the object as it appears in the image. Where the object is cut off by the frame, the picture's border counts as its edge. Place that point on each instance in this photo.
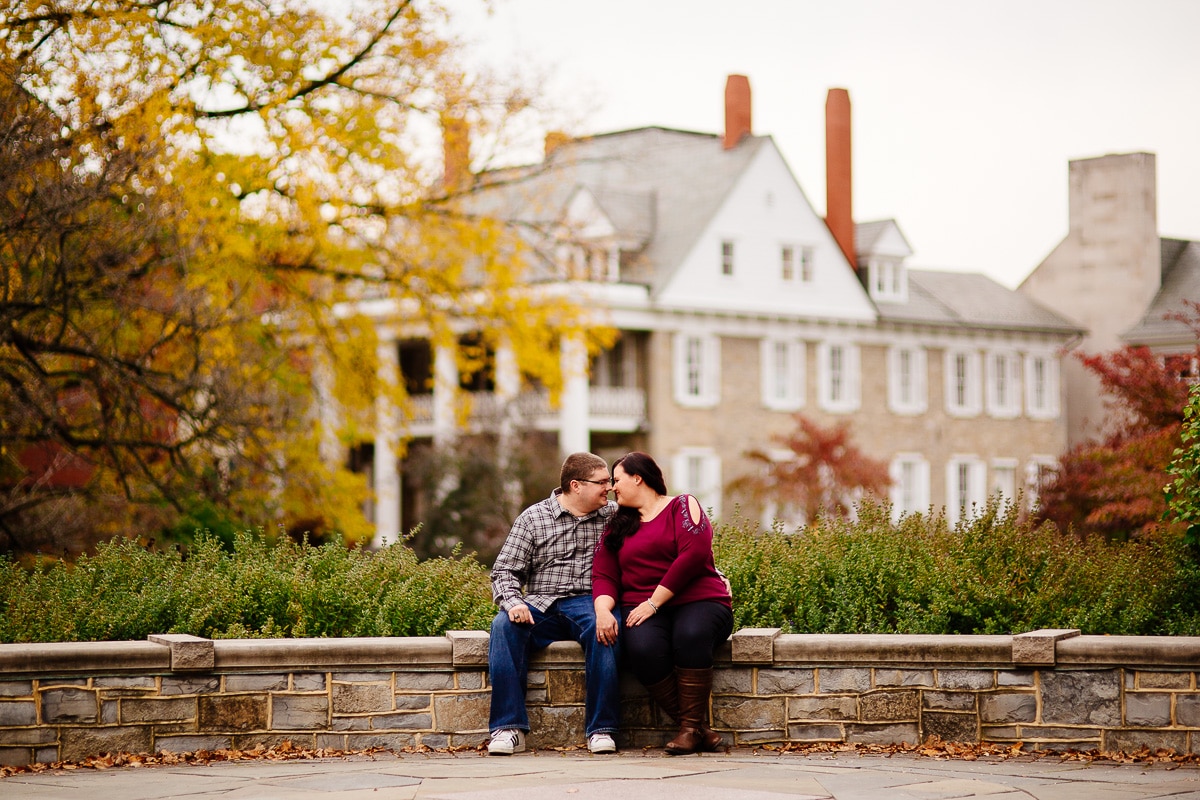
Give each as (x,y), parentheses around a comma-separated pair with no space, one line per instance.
(617,408)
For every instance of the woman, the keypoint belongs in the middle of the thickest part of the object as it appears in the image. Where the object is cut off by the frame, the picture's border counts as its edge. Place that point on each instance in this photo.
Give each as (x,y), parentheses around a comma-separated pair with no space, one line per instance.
(656,560)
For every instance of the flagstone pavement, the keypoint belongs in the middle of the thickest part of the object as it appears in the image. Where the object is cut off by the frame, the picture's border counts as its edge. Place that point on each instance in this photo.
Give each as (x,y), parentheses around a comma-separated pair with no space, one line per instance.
(634,775)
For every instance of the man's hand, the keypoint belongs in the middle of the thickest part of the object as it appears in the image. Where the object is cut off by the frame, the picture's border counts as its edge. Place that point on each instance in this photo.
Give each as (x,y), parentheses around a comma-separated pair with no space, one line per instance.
(520,613)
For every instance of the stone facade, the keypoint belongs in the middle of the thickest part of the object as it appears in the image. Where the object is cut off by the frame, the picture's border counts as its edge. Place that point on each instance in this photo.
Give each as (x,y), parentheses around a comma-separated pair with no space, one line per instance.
(1045,690)
(1104,274)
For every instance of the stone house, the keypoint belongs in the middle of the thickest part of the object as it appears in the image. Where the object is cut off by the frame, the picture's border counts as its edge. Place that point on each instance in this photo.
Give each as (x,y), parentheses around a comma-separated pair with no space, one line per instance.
(1114,276)
(738,306)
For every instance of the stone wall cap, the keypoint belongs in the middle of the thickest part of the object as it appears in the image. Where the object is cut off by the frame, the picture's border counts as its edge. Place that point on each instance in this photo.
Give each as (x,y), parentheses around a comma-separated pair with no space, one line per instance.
(70,658)
(1133,651)
(753,645)
(187,652)
(1038,648)
(1057,634)
(374,651)
(894,649)
(469,648)
(557,653)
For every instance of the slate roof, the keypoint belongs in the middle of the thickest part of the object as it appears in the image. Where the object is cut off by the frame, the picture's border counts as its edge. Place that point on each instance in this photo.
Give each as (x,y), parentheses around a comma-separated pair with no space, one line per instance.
(1180,281)
(970,300)
(660,187)
(867,234)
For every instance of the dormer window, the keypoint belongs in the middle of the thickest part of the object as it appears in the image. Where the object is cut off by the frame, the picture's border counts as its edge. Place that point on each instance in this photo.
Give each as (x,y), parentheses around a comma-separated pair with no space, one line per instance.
(887,279)
(795,263)
(591,261)
(603,263)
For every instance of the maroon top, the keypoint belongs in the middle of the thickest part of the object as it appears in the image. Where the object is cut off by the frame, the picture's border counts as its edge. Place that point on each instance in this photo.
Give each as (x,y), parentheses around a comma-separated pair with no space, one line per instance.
(670,550)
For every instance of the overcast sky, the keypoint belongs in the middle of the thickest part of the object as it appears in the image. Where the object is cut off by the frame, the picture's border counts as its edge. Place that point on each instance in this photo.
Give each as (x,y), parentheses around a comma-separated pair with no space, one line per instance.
(965,112)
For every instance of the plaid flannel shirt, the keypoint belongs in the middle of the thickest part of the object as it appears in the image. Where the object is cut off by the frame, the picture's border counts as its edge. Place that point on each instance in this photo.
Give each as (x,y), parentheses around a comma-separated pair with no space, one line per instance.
(548,555)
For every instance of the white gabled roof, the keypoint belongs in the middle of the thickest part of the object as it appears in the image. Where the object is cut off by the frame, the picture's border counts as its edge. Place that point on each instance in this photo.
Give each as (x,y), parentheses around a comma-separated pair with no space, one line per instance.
(880,237)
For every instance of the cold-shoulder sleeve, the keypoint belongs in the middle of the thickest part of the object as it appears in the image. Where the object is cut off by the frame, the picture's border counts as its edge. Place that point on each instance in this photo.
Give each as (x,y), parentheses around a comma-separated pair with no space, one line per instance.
(693,542)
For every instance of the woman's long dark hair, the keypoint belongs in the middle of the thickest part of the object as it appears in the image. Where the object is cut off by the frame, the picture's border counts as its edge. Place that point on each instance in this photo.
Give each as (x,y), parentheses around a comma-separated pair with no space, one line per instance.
(627,519)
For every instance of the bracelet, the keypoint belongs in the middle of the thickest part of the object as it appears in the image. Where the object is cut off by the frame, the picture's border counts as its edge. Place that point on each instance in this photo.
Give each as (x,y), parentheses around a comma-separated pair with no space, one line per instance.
(651,602)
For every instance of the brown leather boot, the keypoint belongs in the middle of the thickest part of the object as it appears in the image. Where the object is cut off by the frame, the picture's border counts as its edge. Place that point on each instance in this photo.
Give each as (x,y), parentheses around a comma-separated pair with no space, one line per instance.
(694,687)
(665,695)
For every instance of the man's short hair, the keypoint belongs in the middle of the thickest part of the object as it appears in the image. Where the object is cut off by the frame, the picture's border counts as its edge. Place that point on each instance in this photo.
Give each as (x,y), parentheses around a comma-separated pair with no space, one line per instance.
(579,467)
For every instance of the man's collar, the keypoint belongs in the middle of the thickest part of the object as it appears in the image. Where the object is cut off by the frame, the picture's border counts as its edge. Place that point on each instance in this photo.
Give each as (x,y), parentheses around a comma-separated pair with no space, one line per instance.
(557,498)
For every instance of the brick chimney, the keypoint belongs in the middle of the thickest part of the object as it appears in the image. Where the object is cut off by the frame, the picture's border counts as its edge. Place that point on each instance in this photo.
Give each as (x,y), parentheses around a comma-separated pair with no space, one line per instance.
(737,110)
(839,214)
(456,152)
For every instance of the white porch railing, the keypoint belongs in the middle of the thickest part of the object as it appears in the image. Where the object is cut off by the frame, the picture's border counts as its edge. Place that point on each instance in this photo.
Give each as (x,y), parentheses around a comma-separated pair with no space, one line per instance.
(618,408)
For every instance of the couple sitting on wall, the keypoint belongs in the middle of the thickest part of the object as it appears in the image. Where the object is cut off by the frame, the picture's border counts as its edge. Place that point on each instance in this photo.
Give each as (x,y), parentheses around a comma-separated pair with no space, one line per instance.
(635,576)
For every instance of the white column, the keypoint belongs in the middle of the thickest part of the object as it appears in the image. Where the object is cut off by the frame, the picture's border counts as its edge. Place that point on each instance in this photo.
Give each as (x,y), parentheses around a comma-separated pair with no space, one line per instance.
(328,410)
(508,386)
(445,416)
(574,432)
(387,438)
(508,376)
(445,395)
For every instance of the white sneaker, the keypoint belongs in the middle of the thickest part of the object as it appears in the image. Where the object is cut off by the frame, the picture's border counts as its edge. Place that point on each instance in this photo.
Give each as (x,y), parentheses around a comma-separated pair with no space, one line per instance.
(601,743)
(507,742)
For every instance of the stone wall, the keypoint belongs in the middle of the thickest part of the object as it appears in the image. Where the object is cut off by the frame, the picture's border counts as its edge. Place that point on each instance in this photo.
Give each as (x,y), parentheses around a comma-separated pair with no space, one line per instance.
(1045,690)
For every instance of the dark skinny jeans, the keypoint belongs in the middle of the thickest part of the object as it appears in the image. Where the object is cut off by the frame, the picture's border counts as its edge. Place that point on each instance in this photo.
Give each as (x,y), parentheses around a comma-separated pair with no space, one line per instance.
(677,636)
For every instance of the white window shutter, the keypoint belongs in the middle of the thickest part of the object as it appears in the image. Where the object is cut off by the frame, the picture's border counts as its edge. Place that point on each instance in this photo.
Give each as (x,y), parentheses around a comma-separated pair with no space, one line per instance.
(853,378)
(712,370)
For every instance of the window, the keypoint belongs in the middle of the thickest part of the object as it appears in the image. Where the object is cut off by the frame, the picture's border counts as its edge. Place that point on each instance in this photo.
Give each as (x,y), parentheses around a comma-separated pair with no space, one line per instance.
(1039,472)
(362,461)
(694,378)
(910,484)
(1041,386)
(584,262)
(1004,479)
(697,471)
(782,369)
(965,492)
(887,279)
(838,376)
(595,262)
(416,365)
(617,367)
(881,271)
(795,263)
(696,369)
(726,257)
(907,392)
(1184,366)
(477,363)
(1003,384)
(962,383)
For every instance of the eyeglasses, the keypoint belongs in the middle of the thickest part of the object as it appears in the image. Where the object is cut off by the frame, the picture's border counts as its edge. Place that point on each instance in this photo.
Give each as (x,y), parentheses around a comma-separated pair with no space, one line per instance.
(604,482)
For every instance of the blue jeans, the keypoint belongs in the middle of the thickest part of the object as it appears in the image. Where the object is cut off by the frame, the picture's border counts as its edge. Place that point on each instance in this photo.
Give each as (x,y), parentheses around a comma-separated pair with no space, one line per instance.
(569,618)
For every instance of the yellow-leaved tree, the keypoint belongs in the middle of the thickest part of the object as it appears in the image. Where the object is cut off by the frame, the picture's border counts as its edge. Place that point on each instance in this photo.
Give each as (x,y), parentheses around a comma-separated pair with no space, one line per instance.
(199,204)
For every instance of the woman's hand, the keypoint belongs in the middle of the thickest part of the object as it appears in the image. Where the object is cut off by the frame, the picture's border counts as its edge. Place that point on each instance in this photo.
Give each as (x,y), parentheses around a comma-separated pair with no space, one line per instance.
(641,612)
(606,627)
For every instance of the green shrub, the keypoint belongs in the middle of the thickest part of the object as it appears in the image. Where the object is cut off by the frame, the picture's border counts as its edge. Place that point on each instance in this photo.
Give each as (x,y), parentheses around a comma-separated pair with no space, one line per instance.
(256,589)
(1183,490)
(993,574)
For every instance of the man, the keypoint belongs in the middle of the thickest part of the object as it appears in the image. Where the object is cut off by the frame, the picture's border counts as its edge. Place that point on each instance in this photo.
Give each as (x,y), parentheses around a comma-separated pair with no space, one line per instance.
(542,582)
